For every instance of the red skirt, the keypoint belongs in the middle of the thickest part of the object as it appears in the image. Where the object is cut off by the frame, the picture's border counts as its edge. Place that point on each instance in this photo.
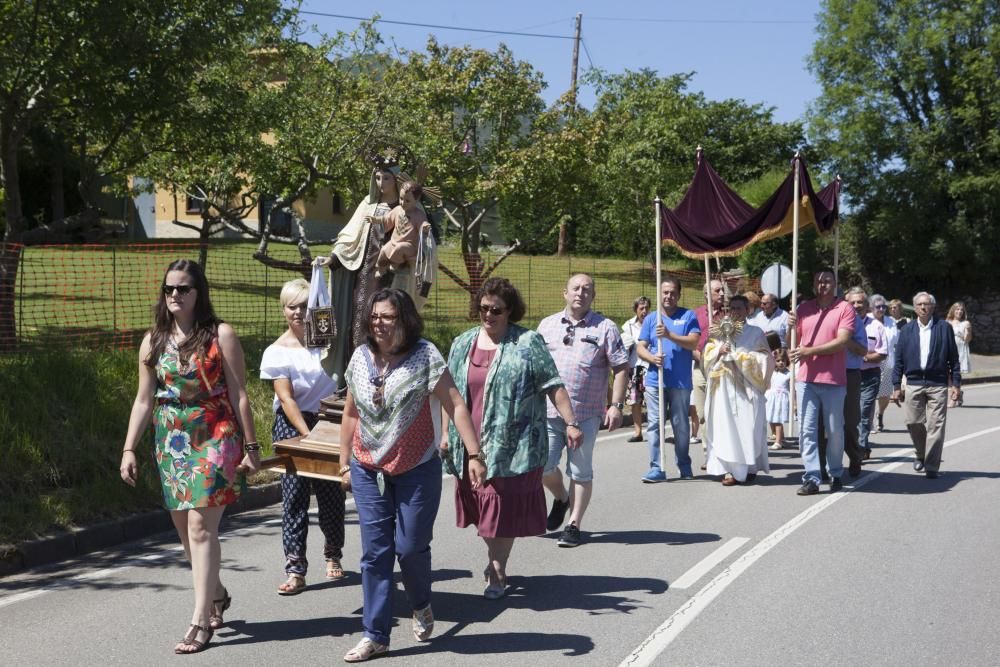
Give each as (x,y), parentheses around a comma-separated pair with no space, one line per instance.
(503,506)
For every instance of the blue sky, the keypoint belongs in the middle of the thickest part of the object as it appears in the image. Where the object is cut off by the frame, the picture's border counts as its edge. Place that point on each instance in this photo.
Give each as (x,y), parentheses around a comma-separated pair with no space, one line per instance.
(751,50)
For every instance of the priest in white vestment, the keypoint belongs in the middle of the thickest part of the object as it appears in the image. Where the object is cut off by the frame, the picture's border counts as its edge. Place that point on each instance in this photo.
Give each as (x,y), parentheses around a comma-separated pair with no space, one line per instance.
(738,364)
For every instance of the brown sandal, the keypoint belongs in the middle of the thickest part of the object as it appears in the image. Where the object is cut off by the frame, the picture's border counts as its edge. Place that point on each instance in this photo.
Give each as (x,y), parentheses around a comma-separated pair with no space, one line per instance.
(215,621)
(293,585)
(334,570)
(191,639)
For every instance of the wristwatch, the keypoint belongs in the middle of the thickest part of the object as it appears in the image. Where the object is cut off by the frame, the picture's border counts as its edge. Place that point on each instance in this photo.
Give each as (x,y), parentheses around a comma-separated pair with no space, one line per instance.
(478,456)
(619,405)
(573,423)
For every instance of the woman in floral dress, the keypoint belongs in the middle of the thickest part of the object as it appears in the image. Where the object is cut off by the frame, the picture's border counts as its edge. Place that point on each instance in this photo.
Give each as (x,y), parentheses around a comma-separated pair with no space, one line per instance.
(192,385)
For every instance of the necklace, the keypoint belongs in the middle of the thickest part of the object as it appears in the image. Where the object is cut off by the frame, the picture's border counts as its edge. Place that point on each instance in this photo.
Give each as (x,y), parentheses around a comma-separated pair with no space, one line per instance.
(378,379)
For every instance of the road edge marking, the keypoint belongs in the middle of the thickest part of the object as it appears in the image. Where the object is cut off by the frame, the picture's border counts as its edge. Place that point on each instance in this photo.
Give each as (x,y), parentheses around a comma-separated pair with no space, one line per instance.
(708,563)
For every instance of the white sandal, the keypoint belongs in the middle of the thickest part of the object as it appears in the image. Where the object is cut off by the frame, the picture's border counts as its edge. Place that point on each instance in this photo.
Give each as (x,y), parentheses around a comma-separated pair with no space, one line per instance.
(423,623)
(365,650)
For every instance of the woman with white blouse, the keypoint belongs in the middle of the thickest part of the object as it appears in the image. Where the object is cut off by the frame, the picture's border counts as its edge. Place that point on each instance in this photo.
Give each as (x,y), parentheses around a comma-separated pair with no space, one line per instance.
(299,383)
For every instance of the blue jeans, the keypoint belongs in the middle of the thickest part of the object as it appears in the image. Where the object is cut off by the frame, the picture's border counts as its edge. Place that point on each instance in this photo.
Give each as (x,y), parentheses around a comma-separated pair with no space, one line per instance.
(678,402)
(400,524)
(871,378)
(826,402)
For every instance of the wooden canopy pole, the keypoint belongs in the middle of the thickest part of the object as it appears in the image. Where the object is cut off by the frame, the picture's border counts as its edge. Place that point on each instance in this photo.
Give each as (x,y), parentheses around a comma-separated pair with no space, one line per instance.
(795,289)
(836,239)
(661,342)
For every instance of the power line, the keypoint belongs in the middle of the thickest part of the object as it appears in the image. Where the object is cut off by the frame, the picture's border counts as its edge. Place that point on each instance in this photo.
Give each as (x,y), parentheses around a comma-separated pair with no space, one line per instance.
(438,27)
(586,52)
(734,21)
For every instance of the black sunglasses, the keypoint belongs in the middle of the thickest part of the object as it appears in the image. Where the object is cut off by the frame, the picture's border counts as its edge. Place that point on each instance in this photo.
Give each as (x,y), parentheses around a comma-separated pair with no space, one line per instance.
(568,338)
(182,289)
(492,310)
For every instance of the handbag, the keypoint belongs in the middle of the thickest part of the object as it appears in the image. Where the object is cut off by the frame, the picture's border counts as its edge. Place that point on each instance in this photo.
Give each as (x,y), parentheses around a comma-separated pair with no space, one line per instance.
(321,326)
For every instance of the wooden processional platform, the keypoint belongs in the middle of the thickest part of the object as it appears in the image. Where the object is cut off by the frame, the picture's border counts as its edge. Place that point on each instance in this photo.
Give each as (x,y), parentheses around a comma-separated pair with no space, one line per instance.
(314,455)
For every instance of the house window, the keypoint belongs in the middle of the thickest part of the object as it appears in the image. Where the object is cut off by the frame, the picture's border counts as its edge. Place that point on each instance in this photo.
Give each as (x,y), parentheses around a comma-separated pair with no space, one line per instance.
(281,224)
(338,204)
(193,205)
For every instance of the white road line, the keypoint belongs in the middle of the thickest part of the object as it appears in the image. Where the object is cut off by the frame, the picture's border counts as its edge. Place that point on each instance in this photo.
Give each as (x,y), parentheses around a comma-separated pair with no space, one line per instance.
(703,567)
(661,638)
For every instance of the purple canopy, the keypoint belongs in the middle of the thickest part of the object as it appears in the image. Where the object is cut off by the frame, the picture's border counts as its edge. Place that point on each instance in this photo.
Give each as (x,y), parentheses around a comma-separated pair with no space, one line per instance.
(713,219)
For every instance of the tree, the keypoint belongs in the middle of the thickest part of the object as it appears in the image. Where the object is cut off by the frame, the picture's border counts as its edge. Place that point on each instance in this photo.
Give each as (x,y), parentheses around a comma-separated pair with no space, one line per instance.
(464,113)
(647,130)
(270,126)
(909,115)
(547,185)
(108,76)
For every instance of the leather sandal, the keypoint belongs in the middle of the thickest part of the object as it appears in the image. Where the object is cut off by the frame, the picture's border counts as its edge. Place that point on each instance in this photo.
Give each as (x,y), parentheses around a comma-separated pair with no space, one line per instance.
(219,607)
(365,650)
(190,640)
(334,570)
(293,585)
(729,480)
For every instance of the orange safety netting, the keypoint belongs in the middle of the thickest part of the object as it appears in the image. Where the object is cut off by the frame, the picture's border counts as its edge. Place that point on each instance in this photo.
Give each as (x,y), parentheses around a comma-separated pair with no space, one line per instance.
(101,296)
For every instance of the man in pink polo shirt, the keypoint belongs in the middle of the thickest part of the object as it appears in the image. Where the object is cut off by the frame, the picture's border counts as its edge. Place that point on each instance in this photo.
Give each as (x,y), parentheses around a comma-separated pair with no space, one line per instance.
(823,326)
(586,347)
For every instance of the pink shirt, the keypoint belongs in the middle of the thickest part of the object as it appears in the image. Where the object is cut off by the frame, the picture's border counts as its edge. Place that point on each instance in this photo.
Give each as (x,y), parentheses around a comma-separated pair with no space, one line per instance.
(816,326)
(701,312)
(591,351)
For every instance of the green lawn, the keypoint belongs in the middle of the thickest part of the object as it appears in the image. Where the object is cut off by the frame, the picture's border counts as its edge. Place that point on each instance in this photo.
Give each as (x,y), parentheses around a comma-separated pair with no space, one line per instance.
(65,398)
(100,296)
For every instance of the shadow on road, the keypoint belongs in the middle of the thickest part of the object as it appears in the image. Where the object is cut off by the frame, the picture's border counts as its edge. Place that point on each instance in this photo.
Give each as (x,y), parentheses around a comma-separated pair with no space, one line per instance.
(914,483)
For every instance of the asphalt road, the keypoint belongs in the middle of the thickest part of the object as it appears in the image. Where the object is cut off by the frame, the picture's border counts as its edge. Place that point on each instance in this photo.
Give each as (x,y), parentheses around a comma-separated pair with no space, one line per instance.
(895,570)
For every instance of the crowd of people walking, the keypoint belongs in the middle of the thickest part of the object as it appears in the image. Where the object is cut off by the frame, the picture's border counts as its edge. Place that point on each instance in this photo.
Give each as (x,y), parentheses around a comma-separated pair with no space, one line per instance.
(513,413)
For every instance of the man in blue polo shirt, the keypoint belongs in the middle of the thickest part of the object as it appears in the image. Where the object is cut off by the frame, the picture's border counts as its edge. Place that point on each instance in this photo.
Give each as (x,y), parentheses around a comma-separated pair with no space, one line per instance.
(678,328)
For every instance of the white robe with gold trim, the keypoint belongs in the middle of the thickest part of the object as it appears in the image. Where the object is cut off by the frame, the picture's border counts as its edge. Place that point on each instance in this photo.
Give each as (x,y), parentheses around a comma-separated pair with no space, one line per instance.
(735,407)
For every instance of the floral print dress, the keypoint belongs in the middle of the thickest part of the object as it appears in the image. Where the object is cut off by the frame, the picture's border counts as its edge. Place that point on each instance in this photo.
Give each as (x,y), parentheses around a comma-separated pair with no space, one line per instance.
(197,440)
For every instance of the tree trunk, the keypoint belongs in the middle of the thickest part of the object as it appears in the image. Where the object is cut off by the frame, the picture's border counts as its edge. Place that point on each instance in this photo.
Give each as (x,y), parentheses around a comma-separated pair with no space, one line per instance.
(10,257)
(11,182)
(57,196)
(561,248)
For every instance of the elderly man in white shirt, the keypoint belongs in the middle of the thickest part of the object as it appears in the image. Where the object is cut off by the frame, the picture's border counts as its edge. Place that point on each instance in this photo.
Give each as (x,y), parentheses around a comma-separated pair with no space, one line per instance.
(771,318)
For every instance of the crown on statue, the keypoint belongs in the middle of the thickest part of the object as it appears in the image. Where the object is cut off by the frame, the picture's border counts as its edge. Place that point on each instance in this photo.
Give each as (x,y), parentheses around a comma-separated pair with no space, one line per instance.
(388,160)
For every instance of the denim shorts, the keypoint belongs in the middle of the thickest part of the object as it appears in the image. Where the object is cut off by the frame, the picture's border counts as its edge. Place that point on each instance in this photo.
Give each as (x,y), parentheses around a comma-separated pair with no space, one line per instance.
(579,461)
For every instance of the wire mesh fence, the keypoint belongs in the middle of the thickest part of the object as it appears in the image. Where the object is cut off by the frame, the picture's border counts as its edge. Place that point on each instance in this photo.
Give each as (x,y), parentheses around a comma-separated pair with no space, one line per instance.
(101,296)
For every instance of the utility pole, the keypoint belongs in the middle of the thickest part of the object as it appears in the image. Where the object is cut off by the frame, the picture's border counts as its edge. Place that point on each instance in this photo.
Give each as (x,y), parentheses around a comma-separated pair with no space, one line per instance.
(561,248)
(576,58)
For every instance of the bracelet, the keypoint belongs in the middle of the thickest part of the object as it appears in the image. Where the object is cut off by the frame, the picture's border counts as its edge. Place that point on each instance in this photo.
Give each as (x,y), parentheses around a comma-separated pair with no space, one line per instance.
(128,450)
(251,447)
(478,456)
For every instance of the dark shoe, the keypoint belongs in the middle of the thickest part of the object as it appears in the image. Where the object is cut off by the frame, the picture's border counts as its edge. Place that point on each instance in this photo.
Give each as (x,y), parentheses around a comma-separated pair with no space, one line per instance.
(881,426)
(918,465)
(808,489)
(932,474)
(570,536)
(867,455)
(836,485)
(557,514)
(854,468)
(751,477)
(825,476)
(635,438)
